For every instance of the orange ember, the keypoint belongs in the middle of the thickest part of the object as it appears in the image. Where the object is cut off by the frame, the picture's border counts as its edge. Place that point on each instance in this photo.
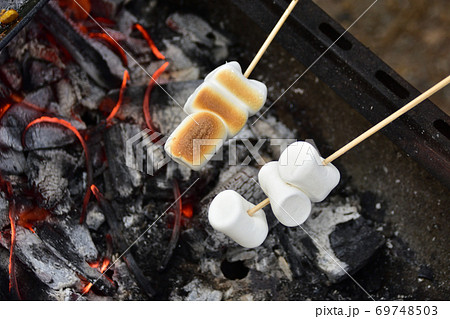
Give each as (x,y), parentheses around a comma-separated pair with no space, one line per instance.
(78,9)
(113,43)
(150,42)
(151,84)
(126,76)
(187,210)
(30,216)
(102,269)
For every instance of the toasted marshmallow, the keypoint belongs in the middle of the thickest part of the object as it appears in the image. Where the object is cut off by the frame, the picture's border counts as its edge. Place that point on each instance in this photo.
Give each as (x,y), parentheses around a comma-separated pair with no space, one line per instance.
(228,95)
(289,204)
(228,214)
(301,165)
(197,138)
(251,92)
(212,97)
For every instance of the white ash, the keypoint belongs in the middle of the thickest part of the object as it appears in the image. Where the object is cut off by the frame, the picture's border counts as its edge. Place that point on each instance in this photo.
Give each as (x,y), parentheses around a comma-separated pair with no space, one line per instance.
(94,217)
(197,291)
(322,222)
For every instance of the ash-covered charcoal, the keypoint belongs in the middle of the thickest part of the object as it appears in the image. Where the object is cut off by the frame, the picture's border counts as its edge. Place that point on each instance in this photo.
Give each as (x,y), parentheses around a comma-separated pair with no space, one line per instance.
(41,73)
(94,216)
(41,97)
(166,113)
(49,171)
(88,54)
(66,98)
(11,74)
(11,161)
(335,238)
(31,251)
(79,236)
(48,135)
(13,123)
(59,243)
(124,180)
(198,35)
(4,211)
(87,93)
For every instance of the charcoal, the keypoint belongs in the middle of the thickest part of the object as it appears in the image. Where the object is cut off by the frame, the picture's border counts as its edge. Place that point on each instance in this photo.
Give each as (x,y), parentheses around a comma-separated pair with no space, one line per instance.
(166,113)
(42,73)
(80,47)
(182,67)
(86,91)
(354,242)
(10,73)
(49,171)
(198,34)
(13,123)
(105,8)
(41,97)
(60,244)
(334,252)
(31,251)
(4,211)
(80,238)
(124,179)
(5,92)
(12,162)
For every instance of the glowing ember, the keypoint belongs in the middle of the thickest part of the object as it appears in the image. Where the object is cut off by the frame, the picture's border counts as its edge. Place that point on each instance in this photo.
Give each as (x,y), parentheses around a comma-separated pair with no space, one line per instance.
(150,42)
(187,210)
(113,44)
(151,84)
(126,77)
(28,217)
(78,9)
(46,119)
(102,269)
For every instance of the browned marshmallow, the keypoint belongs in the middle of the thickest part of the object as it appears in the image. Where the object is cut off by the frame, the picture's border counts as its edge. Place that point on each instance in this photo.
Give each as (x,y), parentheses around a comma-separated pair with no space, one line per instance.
(196,139)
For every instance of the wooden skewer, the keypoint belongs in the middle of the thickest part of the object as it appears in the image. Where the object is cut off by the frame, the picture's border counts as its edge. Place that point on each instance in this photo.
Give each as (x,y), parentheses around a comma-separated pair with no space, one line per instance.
(371,131)
(270,38)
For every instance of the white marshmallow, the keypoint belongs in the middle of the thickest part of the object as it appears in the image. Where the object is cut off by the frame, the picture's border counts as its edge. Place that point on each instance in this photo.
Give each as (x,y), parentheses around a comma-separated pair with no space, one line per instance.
(289,204)
(300,165)
(228,214)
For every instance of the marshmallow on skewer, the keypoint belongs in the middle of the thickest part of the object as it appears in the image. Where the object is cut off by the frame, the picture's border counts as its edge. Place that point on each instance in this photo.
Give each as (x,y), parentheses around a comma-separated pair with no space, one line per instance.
(228,95)
(301,165)
(289,204)
(228,214)
(196,139)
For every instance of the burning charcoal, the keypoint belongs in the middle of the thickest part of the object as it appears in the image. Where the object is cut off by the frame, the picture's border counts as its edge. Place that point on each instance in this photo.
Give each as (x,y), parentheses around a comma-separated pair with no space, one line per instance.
(31,251)
(198,34)
(59,243)
(82,49)
(87,92)
(105,8)
(41,73)
(124,179)
(49,170)
(94,217)
(11,74)
(337,232)
(4,211)
(13,123)
(12,162)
